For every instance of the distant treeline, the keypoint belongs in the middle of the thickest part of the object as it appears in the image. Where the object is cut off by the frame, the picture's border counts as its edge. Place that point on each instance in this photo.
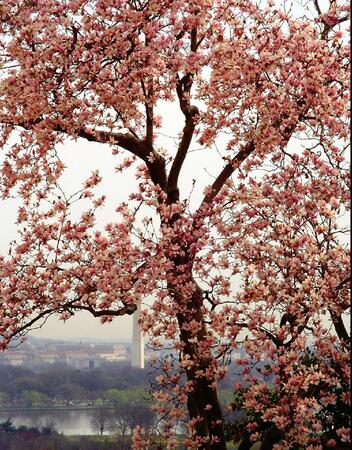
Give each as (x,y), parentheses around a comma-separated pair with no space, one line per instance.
(19,385)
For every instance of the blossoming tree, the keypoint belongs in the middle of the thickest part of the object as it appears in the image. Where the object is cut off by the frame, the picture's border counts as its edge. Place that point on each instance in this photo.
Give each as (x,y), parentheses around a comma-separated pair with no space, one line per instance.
(296,270)
(256,262)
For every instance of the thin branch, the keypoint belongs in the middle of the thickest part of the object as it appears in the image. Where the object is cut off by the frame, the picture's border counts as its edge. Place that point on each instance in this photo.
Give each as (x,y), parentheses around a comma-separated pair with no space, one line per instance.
(149,112)
(278,342)
(28,325)
(327,26)
(127,309)
(243,154)
(226,173)
(188,130)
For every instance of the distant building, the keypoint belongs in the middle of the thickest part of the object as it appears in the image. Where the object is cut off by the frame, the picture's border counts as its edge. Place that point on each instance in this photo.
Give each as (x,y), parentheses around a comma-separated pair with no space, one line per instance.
(16,359)
(49,358)
(82,355)
(116,354)
(82,360)
(104,348)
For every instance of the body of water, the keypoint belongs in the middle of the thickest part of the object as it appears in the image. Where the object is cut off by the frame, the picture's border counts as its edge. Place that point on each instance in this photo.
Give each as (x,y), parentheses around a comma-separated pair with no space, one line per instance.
(66,421)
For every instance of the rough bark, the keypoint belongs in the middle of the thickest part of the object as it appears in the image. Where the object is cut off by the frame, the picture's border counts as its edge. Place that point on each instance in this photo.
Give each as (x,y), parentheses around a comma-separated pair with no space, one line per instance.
(271,437)
(211,424)
(246,443)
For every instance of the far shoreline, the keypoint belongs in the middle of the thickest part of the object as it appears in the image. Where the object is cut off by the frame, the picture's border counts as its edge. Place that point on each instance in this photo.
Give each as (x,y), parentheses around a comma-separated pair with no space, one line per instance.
(55,408)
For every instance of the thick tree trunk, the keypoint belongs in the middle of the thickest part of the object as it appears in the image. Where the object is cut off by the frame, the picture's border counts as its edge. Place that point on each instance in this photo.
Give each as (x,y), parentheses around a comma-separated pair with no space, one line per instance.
(271,437)
(246,443)
(211,424)
(203,402)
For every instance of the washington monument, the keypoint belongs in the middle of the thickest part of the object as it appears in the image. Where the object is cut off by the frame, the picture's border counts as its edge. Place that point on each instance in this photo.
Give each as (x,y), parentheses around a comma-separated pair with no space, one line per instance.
(137,354)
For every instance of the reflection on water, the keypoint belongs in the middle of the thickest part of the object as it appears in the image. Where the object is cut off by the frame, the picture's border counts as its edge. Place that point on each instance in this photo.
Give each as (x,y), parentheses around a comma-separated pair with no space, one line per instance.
(66,421)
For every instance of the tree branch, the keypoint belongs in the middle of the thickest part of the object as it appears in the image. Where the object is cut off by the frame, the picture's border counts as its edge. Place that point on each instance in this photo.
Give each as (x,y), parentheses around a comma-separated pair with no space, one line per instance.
(28,326)
(183,90)
(278,342)
(317,7)
(188,130)
(140,148)
(124,140)
(149,112)
(226,173)
(328,26)
(340,328)
(127,309)
(243,154)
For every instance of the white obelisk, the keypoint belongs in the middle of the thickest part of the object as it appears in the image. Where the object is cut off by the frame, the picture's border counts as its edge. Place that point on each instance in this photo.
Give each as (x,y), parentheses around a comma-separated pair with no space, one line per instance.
(137,353)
